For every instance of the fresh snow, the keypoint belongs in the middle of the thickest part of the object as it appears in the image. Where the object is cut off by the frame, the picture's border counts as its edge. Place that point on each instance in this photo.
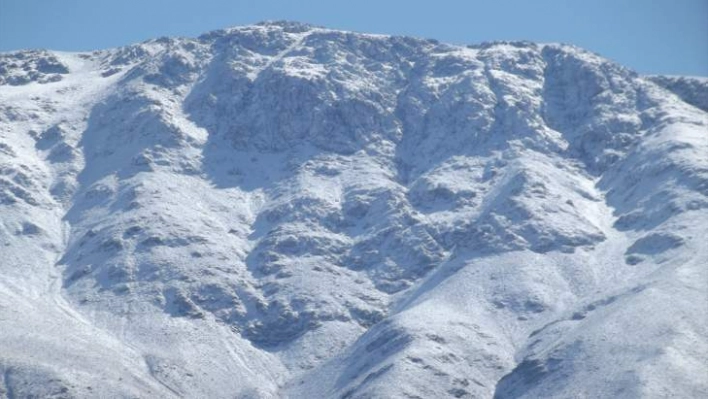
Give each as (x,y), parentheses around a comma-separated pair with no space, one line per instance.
(282,210)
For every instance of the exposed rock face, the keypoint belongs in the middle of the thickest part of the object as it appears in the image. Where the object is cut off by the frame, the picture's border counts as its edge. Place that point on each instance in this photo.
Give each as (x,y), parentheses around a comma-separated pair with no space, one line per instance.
(282,210)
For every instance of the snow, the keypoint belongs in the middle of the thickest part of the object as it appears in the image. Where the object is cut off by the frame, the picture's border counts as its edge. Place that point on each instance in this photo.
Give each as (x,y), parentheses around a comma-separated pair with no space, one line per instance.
(282,210)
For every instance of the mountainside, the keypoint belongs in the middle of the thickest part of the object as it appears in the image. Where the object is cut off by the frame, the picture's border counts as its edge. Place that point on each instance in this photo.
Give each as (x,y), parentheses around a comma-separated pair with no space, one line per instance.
(693,90)
(282,210)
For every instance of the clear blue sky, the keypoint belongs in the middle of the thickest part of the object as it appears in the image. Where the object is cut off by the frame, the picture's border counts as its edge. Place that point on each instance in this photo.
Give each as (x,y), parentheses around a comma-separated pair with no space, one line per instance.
(651,36)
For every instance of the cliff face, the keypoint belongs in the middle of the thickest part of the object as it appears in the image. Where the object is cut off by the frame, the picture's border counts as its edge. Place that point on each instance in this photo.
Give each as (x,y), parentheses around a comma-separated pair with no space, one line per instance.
(282,210)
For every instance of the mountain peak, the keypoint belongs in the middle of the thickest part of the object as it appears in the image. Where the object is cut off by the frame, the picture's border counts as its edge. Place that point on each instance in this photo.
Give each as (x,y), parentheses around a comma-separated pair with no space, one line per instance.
(287,24)
(280,210)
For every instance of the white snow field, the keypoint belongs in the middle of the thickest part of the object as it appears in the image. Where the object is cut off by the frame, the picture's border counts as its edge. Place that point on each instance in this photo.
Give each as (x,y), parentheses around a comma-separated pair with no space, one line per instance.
(288,211)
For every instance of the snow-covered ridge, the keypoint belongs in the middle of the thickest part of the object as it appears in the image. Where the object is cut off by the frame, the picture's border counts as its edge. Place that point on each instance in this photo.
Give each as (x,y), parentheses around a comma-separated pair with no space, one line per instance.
(691,89)
(23,67)
(284,210)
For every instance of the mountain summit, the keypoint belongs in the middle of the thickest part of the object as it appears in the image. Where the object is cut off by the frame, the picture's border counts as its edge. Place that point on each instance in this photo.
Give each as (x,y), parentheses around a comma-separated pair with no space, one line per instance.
(283,210)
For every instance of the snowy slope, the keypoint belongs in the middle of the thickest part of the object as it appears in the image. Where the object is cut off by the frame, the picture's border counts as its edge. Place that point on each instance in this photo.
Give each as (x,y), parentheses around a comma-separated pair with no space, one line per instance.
(282,210)
(691,89)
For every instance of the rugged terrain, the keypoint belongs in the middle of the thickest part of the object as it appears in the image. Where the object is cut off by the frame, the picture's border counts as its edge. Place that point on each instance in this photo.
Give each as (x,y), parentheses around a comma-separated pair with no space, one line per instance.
(282,210)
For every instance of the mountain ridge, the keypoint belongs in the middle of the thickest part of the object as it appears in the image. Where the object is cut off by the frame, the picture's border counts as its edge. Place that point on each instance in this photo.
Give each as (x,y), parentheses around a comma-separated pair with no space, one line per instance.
(303,212)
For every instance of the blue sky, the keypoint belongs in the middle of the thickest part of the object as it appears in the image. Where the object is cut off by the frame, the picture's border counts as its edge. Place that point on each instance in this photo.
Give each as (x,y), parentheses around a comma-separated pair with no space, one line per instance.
(651,36)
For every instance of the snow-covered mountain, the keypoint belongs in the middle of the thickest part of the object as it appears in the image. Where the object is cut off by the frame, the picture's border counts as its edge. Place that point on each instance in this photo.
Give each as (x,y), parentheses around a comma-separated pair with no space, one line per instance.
(282,210)
(691,89)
